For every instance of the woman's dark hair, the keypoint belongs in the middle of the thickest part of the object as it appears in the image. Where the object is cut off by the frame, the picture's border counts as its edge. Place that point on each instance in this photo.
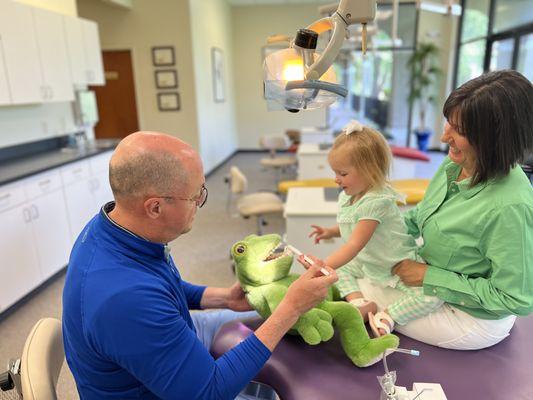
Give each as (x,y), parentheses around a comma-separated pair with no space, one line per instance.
(495,113)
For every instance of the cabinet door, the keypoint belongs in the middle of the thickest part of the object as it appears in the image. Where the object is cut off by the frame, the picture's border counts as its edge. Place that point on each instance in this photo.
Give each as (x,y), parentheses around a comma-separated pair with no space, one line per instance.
(20,52)
(100,179)
(93,55)
(76,53)
(5,97)
(19,268)
(52,48)
(51,232)
(80,206)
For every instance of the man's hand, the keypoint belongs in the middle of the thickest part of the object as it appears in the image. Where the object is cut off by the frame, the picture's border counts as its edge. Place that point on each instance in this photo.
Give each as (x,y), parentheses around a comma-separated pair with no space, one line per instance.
(306,265)
(410,272)
(232,298)
(309,289)
(236,299)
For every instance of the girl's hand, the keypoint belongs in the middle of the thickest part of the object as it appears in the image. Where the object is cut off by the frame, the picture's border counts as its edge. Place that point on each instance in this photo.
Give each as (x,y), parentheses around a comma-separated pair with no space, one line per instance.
(320,233)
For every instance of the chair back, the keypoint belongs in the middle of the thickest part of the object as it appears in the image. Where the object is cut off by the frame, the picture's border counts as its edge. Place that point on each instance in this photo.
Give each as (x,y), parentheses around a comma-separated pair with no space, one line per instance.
(42,359)
(274,142)
(238,182)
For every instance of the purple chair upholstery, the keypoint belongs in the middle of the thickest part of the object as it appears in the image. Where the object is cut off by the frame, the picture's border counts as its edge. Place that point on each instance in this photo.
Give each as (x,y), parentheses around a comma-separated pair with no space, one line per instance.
(299,371)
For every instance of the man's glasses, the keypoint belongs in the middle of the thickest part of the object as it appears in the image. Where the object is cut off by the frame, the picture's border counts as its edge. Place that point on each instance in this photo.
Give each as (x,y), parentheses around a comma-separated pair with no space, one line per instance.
(200,200)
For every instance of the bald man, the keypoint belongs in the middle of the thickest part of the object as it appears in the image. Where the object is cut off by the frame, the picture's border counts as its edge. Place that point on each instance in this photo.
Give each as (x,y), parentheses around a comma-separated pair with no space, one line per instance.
(127,329)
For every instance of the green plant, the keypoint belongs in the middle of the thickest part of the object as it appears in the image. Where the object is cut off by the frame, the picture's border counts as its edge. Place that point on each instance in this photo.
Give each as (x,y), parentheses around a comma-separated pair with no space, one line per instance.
(425,75)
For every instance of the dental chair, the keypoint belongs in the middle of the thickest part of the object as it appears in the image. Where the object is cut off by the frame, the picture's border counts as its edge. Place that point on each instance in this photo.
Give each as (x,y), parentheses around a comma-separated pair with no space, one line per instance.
(249,205)
(275,143)
(299,371)
(34,376)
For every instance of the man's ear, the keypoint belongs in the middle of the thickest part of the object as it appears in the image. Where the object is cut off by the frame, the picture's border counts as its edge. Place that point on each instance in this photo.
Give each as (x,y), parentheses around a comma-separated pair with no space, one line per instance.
(152,208)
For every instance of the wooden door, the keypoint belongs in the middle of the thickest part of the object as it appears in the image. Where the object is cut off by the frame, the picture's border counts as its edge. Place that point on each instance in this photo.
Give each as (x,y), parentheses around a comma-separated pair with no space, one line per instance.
(117,109)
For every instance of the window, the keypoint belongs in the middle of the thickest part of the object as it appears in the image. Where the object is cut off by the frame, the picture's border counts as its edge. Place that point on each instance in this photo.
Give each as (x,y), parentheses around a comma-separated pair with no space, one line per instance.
(509,14)
(525,56)
(501,54)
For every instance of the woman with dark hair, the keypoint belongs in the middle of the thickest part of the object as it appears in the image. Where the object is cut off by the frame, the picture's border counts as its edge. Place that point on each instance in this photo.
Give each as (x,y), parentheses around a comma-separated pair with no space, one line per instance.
(476,219)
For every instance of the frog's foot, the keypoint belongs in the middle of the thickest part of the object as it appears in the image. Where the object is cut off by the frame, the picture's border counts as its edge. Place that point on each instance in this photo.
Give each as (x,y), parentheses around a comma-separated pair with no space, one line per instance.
(371,351)
(315,326)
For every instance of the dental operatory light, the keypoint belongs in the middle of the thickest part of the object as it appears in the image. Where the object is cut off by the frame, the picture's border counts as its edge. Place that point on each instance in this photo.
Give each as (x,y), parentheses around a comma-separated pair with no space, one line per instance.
(298,77)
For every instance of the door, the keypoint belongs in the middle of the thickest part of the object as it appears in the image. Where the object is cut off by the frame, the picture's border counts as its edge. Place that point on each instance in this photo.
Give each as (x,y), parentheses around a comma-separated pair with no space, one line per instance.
(117,108)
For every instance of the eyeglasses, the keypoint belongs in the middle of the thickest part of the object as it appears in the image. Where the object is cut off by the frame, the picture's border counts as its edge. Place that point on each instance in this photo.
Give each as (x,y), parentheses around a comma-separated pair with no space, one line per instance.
(200,200)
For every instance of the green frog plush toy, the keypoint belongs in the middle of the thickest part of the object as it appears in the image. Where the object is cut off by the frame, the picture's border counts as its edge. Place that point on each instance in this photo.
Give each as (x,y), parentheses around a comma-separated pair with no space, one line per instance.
(263,271)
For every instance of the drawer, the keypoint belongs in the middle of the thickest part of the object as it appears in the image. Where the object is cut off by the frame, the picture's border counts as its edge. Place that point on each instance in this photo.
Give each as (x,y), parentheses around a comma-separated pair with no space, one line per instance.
(42,184)
(75,172)
(100,163)
(11,196)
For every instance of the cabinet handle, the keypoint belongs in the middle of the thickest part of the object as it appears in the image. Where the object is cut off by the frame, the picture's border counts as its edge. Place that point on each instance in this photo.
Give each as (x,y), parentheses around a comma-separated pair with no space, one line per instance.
(34,211)
(51,92)
(43,184)
(43,92)
(27,215)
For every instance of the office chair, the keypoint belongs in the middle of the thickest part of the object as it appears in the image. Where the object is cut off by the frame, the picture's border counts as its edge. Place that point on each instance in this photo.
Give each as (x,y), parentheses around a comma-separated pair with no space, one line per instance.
(253,204)
(34,376)
(274,143)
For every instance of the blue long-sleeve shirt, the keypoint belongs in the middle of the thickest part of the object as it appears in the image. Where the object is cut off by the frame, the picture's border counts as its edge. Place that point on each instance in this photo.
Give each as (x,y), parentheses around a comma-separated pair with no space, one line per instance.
(127,330)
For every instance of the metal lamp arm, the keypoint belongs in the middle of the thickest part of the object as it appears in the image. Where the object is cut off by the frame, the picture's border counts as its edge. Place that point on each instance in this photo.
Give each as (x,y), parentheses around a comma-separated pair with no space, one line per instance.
(317,69)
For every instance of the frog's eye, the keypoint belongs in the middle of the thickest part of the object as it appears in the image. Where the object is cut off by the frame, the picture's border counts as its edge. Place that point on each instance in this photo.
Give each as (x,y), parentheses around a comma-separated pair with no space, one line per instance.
(240,249)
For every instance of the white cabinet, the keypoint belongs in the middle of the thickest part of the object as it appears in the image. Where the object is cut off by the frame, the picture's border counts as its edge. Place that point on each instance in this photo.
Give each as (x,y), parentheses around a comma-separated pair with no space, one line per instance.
(5,97)
(76,51)
(19,267)
(52,47)
(20,52)
(49,221)
(41,216)
(93,55)
(79,199)
(100,179)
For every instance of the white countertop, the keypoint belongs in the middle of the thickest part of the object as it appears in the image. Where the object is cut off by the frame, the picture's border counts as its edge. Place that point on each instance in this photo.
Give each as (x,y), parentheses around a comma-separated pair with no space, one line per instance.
(309,201)
(311,148)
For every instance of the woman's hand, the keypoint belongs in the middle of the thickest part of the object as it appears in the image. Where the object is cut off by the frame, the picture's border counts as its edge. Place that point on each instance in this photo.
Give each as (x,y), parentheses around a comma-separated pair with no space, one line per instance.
(410,272)
(320,233)
(236,299)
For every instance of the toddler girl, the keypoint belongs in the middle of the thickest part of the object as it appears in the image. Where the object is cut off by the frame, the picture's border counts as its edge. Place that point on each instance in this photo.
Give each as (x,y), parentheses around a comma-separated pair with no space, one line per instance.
(372,228)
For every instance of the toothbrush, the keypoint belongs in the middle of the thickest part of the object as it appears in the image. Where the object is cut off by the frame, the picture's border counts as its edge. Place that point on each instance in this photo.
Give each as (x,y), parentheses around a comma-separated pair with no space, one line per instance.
(294,250)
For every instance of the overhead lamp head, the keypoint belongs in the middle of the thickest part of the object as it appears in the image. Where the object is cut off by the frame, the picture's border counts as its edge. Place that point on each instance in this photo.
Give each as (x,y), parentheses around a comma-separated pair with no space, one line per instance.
(299,78)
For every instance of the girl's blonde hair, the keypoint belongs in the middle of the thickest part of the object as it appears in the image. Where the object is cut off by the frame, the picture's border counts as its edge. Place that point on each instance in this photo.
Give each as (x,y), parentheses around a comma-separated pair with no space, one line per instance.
(368,152)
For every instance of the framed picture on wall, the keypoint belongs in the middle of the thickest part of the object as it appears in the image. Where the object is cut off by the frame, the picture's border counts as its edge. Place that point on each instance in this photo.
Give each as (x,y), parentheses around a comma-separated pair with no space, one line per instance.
(163,56)
(166,79)
(217,64)
(168,101)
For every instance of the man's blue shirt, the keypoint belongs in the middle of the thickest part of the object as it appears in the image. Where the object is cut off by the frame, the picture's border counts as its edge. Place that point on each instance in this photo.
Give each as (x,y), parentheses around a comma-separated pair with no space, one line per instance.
(127,330)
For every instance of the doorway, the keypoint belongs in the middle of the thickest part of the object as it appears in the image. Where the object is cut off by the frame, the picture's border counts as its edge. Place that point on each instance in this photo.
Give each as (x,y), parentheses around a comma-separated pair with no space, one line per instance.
(117,108)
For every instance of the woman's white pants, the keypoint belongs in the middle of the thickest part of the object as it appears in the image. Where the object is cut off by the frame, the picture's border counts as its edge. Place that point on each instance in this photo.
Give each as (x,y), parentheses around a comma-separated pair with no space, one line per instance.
(447,326)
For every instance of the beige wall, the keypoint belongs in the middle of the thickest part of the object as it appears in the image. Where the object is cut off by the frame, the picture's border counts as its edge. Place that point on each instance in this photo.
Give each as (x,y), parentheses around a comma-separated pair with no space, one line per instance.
(211,27)
(251,26)
(152,23)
